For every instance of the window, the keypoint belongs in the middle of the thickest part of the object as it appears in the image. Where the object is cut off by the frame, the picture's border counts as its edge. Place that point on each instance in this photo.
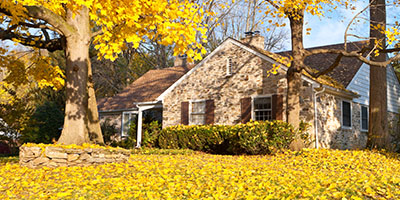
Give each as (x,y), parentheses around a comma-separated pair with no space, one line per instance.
(346,114)
(127,119)
(197,112)
(262,108)
(364,118)
(229,67)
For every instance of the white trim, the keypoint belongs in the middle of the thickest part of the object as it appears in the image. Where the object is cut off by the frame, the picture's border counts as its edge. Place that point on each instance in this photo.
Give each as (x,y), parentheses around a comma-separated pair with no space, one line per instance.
(341,114)
(361,129)
(123,123)
(253,114)
(142,106)
(147,103)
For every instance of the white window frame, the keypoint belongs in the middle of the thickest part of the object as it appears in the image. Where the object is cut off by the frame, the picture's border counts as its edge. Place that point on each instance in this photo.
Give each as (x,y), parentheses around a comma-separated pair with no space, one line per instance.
(130,113)
(361,128)
(200,113)
(229,67)
(341,116)
(253,110)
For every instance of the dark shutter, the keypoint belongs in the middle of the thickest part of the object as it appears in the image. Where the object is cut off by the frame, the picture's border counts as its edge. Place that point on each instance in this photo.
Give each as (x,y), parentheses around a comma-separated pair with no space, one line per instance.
(346,114)
(210,107)
(185,113)
(245,109)
(277,107)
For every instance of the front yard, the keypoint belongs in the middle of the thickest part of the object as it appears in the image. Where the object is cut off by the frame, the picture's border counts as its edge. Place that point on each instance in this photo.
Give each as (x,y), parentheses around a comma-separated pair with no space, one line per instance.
(309,174)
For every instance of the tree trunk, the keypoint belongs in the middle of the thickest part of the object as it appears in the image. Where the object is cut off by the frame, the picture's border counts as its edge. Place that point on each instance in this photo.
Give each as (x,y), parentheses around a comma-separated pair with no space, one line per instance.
(294,76)
(77,55)
(93,126)
(378,134)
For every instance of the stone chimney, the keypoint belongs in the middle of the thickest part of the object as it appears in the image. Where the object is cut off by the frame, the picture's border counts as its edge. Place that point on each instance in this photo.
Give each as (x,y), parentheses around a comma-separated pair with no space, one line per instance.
(254,39)
(180,60)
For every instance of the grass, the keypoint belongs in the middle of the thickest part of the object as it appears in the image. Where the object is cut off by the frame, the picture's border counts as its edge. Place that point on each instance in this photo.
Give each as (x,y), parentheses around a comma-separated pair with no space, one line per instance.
(8,159)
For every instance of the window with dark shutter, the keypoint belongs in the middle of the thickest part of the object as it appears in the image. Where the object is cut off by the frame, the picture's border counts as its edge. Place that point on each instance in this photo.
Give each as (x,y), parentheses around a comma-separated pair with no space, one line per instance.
(185,113)
(364,118)
(245,109)
(346,114)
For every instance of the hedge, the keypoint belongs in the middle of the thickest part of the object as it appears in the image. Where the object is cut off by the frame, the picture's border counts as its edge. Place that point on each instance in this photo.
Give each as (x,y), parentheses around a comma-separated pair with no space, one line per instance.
(253,138)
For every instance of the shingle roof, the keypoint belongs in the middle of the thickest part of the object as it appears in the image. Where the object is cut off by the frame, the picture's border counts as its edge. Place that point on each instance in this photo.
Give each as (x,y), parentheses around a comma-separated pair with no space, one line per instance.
(146,88)
(347,68)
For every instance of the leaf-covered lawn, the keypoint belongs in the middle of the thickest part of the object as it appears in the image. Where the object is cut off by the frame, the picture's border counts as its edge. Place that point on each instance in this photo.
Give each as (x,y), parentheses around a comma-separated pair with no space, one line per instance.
(309,174)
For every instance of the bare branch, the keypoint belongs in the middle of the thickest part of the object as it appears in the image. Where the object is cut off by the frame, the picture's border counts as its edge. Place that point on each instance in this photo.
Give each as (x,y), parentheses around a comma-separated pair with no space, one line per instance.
(273,4)
(351,21)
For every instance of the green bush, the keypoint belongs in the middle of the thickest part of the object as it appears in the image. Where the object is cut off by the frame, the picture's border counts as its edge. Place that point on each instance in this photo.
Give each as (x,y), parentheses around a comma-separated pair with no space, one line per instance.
(45,125)
(151,131)
(253,138)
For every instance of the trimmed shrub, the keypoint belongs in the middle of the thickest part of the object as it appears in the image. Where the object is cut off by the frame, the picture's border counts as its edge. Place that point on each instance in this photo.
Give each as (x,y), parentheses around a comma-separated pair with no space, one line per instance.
(253,138)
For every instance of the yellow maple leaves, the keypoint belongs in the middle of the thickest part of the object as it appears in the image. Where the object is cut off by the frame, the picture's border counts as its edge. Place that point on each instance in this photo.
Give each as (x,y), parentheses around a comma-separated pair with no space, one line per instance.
(308,174)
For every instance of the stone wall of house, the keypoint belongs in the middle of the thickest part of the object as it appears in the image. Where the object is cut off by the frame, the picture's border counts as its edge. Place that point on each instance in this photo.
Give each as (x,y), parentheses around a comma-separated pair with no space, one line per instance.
(113,119)
(36,157)
(394,129)
(249,79)
(330,131)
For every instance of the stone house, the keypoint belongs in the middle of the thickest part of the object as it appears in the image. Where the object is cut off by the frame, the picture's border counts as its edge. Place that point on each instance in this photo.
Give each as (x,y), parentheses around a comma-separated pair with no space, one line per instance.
(234,84)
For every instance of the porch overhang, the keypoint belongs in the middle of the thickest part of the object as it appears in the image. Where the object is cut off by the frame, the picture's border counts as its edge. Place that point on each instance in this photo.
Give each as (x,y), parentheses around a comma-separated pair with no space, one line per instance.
(142,106)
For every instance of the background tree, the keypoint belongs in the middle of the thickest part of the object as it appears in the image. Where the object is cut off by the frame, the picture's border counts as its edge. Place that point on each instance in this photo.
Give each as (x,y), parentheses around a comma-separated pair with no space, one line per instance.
(378,130)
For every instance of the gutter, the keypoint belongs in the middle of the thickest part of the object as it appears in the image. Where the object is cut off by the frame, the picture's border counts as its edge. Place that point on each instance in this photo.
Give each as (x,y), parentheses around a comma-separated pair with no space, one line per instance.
(316,114)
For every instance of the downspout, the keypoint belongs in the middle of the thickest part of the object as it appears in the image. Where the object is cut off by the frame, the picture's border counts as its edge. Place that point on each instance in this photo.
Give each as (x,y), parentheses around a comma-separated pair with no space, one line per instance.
(316,115)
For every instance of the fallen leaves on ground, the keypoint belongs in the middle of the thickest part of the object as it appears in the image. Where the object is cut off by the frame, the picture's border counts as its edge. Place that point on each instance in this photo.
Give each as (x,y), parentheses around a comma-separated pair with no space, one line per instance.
(308,174)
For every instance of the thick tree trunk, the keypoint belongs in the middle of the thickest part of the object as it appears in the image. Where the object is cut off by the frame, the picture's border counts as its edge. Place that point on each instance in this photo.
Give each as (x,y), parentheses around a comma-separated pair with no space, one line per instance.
(294,76)
(93,126)
(77,55)
(378,134)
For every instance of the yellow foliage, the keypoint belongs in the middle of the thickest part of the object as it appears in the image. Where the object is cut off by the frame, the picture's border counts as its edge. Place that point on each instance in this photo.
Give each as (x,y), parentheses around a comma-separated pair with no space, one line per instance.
(173,22)
(27,70)
(308,174)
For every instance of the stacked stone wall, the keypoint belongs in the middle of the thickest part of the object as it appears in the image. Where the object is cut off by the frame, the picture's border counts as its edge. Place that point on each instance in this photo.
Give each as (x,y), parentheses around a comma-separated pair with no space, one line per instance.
(36,157)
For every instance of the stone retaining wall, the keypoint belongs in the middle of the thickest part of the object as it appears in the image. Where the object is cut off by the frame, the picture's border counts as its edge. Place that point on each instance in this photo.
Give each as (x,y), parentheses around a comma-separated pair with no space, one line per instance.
(36,157)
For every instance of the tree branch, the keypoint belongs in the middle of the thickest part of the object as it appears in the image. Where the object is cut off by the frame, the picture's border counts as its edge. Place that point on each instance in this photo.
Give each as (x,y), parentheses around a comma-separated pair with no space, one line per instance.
(40,12)
(273,4)
(354,54)
(330,68)
(50,45)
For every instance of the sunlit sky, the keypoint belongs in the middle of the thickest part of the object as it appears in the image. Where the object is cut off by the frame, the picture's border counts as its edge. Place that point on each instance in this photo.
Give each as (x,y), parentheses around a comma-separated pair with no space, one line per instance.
(330,29)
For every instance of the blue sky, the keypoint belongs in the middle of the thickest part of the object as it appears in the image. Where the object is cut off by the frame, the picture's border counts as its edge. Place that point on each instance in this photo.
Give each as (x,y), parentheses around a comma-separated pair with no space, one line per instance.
(330,29)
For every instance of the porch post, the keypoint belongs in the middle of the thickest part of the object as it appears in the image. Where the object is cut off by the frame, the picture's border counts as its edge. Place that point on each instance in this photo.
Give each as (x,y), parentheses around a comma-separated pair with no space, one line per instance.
(139,128)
